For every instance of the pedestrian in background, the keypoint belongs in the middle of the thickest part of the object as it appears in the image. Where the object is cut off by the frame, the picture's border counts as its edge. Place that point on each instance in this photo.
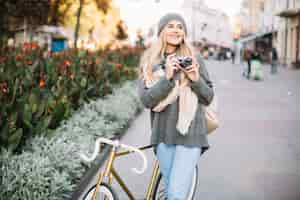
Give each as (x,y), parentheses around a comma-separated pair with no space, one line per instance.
(256,66)
(256,56)
(274,60)
(232,56)
(247,57)
(176,97)
(241,55)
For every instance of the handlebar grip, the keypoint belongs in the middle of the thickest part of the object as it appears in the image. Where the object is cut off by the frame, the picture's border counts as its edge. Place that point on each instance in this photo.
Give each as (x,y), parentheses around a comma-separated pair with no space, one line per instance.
(96,149)
(145,162)
(116,143)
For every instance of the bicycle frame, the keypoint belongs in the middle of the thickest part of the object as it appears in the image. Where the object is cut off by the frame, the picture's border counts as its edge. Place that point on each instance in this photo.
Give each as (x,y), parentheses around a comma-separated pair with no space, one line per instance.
(110,172)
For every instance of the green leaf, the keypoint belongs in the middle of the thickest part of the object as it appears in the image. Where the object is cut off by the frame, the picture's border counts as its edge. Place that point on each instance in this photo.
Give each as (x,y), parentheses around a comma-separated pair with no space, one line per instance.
(42,125)
(33,100)
(57,114)
(4,134)
(15,139)
(83,82)
(41,109)
(27,115)
(46,122)
(16,85)
(28,123)
(13,117)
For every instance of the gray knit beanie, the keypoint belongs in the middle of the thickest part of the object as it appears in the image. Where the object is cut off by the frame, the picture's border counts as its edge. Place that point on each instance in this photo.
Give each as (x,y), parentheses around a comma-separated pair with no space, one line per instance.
(169,17)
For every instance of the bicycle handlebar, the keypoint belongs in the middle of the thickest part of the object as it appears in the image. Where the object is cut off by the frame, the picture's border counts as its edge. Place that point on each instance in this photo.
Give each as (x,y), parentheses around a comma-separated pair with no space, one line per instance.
(116,143)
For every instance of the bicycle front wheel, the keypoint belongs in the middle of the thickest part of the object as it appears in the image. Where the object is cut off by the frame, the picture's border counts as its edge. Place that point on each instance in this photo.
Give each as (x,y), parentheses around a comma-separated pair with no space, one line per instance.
(160,191)
(105,192)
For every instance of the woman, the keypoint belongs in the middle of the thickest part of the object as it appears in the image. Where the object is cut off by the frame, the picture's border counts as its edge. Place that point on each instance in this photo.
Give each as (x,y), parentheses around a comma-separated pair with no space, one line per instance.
(176,96)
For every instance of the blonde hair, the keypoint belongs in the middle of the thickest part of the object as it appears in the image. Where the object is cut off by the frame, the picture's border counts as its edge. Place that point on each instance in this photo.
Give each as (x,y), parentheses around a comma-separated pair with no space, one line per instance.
(155,54)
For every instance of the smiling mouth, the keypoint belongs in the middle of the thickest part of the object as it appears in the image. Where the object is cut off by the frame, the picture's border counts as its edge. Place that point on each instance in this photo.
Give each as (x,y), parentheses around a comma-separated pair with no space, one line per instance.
(174,37)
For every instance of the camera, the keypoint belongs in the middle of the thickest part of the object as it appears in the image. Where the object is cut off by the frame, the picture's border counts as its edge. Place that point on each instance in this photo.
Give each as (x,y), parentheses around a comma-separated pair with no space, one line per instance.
(184,62)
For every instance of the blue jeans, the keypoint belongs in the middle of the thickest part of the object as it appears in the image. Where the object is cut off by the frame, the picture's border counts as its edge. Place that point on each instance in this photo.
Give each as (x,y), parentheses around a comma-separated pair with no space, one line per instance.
(177,163)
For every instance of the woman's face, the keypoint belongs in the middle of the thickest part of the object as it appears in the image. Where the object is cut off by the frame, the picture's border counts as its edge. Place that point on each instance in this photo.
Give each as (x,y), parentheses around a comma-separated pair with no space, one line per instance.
(174,33)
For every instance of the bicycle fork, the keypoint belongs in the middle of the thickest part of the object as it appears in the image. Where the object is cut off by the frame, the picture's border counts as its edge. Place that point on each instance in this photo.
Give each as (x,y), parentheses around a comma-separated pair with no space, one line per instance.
(110,172)
(106,172)
(150,190)
(152,181)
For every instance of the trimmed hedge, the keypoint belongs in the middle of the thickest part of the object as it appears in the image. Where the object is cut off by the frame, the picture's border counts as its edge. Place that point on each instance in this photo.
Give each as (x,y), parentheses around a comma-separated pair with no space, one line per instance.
(51,168)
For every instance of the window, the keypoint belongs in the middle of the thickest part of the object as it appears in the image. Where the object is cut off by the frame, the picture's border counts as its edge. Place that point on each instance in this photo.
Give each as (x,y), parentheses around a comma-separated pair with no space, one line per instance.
(262,6)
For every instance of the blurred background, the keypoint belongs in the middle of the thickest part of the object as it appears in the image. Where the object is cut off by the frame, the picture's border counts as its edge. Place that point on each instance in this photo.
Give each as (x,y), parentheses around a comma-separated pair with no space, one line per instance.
(68,71)
(215,27)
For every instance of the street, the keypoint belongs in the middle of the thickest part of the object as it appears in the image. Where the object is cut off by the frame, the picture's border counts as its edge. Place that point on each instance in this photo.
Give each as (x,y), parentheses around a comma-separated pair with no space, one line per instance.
(254,155)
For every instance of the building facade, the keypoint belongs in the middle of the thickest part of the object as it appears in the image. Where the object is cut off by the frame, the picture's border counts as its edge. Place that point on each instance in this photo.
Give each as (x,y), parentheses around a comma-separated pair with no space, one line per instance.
(289,31)
(241,24)
(248,20)
(277,19)
(206,24)
(43,35)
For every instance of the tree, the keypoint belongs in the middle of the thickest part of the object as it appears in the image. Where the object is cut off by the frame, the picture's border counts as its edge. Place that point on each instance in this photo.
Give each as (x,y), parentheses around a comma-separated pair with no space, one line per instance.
(3,22)
(14,13)
(32,13)
(58,12)
(102,5)
(121,30)
(140,38)
(81,2)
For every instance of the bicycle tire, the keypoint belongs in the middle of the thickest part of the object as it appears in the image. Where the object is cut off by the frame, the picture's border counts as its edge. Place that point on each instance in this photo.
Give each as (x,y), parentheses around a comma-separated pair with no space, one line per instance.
(159,192)
(109,191)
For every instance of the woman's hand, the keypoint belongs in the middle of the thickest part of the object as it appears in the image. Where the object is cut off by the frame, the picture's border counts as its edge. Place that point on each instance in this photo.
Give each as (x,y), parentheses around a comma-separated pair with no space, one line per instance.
(172,65)
(192,71)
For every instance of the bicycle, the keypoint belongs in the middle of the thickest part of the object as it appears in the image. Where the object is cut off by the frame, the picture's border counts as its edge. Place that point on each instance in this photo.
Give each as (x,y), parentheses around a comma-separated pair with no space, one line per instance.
(103,188)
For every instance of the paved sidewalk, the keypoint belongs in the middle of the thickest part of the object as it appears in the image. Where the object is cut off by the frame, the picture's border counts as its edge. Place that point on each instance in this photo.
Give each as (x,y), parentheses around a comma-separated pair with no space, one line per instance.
(254,155)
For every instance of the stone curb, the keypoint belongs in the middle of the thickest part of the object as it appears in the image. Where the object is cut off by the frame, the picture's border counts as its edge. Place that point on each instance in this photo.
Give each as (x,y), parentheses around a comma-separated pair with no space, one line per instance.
(93,170)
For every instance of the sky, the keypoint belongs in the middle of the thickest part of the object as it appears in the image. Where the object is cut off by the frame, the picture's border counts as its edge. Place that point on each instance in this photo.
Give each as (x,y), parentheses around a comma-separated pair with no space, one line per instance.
(144,13)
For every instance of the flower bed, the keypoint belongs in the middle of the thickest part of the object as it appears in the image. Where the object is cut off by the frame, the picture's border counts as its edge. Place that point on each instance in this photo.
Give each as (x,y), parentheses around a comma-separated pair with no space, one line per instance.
(39,89)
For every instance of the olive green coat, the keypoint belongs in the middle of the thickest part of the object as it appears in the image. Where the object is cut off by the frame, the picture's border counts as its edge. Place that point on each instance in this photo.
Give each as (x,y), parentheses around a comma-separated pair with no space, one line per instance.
(163,124)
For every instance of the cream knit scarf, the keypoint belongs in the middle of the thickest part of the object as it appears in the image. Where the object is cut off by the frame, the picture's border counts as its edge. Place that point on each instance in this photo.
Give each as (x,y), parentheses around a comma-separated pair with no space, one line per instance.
(188,101)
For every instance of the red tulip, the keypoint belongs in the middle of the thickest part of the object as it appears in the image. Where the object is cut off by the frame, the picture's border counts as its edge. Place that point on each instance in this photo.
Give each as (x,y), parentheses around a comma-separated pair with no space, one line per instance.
(34,45)
(26,46)
(4,87)
(42,83)
(72,75)
(119,66)
(19,57)
(29,62)
(67,63)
